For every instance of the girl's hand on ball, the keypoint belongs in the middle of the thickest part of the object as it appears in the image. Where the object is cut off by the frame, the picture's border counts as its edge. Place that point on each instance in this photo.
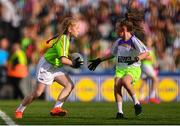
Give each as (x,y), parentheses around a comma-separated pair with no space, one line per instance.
(77,63)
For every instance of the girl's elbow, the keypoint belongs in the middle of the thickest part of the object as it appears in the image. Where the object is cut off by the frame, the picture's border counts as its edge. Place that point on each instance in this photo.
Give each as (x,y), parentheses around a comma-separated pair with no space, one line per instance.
(66,61)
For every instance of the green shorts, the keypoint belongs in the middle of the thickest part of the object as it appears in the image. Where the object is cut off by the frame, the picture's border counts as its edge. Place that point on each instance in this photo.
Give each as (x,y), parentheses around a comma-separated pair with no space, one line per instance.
(134,72)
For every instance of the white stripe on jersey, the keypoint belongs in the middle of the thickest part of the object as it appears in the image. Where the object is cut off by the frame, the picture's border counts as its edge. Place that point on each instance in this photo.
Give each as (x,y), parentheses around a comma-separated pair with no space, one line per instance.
(64,51)
(139,45)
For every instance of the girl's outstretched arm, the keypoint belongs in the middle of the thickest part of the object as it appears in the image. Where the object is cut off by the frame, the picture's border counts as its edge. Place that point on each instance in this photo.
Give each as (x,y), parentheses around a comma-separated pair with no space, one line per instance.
(107,57)
(96,62)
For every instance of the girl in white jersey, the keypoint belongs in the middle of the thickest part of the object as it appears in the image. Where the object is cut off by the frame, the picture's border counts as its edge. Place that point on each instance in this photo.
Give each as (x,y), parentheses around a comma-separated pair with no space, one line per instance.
(129,51)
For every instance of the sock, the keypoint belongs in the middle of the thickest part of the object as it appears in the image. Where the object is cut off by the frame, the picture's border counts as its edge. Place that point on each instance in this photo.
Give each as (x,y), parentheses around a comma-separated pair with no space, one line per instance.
(153,94)
(21,108)
(59,104)
(135,100)
(119,104)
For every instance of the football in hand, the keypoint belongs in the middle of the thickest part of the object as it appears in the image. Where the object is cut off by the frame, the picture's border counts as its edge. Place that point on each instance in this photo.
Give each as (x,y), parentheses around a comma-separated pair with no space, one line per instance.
(75,56)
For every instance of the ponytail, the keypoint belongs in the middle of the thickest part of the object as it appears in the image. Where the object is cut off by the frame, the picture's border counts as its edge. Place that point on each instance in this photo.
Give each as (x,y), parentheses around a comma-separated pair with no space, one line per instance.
(52,38)
(68,21)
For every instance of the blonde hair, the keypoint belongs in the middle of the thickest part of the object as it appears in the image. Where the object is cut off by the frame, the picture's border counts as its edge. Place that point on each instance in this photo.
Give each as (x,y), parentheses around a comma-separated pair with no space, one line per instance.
(64,26)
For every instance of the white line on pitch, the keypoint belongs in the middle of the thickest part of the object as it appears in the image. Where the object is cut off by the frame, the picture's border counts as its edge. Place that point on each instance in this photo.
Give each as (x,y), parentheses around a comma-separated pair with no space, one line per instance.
(7,119)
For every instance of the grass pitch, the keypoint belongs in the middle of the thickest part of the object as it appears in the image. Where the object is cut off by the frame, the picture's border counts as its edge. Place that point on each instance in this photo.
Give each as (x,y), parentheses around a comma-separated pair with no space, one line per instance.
(93,113)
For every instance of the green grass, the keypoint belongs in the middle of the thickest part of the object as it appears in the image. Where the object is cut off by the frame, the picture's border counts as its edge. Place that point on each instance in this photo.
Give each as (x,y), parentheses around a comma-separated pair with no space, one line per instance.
(94,113)
(1,122)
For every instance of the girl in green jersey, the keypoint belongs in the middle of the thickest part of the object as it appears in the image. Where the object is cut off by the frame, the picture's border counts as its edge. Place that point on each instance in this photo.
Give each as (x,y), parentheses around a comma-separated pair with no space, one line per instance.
(129,51)
(148,71)
(50,68)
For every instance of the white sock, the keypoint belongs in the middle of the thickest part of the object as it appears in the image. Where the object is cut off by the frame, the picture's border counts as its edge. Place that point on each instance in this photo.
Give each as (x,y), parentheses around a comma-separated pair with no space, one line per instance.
(119,104)
(21,108)
(135,100)
(153,94)
(58,104)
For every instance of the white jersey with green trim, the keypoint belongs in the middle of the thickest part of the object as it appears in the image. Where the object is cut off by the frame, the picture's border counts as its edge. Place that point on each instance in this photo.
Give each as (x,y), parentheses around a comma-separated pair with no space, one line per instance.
(127,50)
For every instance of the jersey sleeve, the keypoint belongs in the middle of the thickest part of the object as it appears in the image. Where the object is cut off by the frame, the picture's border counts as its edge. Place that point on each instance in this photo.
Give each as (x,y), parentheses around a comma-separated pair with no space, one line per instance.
(62,46)
(114,48)
(139,46)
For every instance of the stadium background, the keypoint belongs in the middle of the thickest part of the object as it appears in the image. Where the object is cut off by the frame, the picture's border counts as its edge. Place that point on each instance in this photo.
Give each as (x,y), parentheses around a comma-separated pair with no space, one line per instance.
(32,22)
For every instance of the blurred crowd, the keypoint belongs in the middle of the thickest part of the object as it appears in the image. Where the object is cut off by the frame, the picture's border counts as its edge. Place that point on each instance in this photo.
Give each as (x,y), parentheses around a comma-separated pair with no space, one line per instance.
(25,25)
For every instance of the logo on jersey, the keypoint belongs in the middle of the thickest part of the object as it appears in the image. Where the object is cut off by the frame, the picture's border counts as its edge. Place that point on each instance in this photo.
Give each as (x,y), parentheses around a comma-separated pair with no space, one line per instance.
(123,59)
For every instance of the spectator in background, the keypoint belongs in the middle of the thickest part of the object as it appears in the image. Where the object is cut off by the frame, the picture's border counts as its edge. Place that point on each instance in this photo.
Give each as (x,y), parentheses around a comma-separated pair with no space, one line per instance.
(4,43)
(26,37)
(166,62)
(104,23)
(176,49)
(97,19)
(170,34)
(11,20)
(17,69)
(116,13)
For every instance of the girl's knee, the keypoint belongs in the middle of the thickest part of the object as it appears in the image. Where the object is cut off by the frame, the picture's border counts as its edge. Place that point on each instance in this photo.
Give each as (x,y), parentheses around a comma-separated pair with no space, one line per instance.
(36,94)
(70,86)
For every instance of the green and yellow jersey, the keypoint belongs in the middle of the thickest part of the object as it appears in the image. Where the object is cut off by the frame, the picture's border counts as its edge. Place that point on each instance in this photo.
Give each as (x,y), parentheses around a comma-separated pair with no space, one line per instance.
(59,49)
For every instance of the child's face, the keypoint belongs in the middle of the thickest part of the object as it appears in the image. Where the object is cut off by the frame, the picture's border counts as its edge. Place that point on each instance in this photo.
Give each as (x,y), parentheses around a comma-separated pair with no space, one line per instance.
(4,43)
(149,42)
(120,30)
(74,30)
